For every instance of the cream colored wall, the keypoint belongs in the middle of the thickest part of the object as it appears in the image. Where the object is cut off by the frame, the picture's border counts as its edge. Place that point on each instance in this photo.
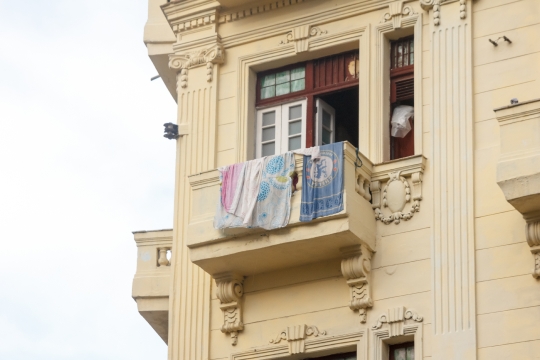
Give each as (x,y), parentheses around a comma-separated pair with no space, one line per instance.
(410,267)
(508,297)
(317,294)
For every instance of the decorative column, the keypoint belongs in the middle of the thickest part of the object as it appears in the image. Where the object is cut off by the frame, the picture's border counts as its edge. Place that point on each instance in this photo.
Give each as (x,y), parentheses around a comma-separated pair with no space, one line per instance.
(453,264)
(356,268)
(197,54)
(230,289)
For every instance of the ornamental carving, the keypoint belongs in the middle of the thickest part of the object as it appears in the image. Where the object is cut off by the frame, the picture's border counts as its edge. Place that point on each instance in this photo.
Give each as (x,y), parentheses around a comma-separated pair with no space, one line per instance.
(295,336)
(356,269)
(209,56)
(436,6)
(533,239)
(395,318)
(396,12)
(230,290)
(396,195)
(300,35)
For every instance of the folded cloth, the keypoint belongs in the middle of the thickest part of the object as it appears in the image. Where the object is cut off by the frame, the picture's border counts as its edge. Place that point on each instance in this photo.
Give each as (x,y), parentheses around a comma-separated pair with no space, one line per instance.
(314,152)
(273,208)
(261,194)
(229,182)
(322,183)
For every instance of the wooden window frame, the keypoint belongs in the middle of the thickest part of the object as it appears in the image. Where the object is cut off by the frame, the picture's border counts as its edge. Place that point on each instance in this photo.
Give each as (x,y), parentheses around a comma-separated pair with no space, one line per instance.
(405,345)
(399,74)
(310,92)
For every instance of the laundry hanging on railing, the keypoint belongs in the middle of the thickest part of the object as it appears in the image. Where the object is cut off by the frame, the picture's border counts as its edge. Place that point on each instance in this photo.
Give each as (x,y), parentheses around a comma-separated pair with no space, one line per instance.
(256,193)
(322,183)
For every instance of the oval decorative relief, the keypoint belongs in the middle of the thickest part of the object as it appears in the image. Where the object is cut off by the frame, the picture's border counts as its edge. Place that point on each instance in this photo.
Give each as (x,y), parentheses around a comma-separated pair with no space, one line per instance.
(396,194)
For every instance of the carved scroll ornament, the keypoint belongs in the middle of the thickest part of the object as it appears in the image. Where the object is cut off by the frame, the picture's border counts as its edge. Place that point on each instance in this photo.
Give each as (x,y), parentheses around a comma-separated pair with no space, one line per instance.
(533,239)
(396,194)
(436,6)
(296,335)
(396,12)
(230,290)
(209,56)
(395,318)
(300,36)
(356,268)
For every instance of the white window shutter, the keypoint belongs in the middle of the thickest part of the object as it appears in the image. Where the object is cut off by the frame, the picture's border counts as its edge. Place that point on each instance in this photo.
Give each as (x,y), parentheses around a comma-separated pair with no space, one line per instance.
(325,124)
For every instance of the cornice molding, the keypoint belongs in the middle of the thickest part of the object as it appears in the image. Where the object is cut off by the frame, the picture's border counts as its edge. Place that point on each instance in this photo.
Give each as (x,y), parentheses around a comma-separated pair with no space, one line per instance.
(187,14)
(314,20)
(244,12)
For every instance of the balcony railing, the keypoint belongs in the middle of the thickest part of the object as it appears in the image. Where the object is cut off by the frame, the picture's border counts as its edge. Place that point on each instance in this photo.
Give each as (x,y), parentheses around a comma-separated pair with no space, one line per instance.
(152,279)
(254,250)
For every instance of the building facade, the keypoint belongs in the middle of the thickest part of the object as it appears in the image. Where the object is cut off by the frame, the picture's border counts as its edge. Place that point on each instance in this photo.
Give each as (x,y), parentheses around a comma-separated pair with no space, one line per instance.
(436,253)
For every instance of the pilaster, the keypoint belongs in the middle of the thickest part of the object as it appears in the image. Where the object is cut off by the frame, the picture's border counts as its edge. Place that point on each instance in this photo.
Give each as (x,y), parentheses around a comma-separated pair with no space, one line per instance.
(453,264)
(197,55)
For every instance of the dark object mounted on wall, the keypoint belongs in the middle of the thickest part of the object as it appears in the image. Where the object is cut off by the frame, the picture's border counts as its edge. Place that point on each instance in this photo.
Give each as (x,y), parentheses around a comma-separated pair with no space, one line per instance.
(496,42)
(171,131)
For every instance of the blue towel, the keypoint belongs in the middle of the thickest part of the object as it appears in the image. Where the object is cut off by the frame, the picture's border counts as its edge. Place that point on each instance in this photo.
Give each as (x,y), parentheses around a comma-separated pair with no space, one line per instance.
(322,183)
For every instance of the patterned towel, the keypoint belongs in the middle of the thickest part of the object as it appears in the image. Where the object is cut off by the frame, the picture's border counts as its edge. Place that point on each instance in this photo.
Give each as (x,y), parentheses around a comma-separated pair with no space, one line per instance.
(322,183)
(273,208)
(261,195)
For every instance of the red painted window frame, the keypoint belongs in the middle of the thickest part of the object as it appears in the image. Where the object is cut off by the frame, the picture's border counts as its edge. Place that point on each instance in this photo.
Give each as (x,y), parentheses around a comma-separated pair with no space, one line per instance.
(309,93)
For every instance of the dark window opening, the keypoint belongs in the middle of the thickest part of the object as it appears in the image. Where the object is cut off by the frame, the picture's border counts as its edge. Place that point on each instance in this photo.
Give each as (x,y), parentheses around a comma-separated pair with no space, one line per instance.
(403,351)
(347,356)
(345,103)
(402,92)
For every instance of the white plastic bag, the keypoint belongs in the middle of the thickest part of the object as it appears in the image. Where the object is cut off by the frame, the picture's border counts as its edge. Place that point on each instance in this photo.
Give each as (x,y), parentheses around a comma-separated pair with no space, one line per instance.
(400,120)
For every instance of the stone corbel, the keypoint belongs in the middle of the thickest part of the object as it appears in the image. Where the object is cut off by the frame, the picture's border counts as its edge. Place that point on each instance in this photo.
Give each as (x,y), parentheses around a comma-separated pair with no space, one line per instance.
(295,336)
(396,12)
(230,290)
(356,269)
(533,239)
(435,5)
(300,35)
(209,56)
(395,318)
(396,194)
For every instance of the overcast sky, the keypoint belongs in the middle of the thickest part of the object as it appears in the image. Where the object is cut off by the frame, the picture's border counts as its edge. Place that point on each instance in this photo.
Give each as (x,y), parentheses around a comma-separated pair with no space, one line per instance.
(82,164)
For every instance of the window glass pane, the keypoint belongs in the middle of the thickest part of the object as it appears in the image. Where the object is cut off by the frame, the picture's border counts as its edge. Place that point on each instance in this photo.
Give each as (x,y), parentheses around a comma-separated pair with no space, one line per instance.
(410,353)
(295,127)
(268,80)
(399,354)
(399,55)
(298,85)
(326,138)
(282,77)
(295,112)
(326,119)
(269,149)
(298,73)
(269,134)
(268,92)
(269,118)
(412,59)
(295,143)
(283,89)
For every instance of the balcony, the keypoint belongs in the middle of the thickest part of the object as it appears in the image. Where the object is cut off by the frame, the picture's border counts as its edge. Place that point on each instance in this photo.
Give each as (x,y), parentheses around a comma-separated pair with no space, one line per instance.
(251,251)
(152,278)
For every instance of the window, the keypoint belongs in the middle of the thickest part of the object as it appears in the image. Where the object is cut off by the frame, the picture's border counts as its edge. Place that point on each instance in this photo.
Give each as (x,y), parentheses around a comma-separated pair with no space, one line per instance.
(402,351)
(307,104)
(280,128)
(402,92)
(347,356)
